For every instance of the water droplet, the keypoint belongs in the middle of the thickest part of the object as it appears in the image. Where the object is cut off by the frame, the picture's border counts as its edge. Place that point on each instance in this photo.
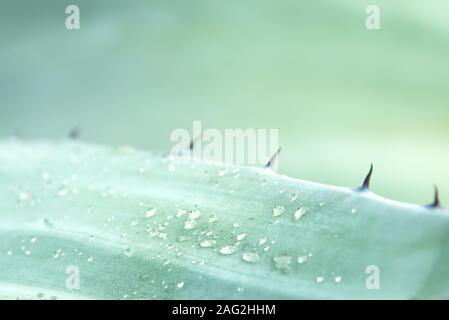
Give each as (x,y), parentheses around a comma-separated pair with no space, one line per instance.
(241,236)
(221,173)
(207,243)
(293,197)
(195,214)
(282,263)
(189,224)
(235,225)
(33,239)
(57,253)
(45,176)
(337,279)
(227,250)
(300,212)
(180,213)
(250,257)
(134,222)
(240,289)
(278,210)
(48,223)
(302,259)
(23,196)
(90,259)
(180,285)
(354,210)
(129,252)
(171,167)
(182,238)
(319,279)
(262,241)
(62,192)
(322,204)
(212,219)
(150,213)
(9,252)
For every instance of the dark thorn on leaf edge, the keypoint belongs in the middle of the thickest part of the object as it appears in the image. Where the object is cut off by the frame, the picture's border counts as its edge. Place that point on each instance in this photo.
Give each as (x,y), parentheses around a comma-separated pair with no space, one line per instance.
(74,134)
(273,158)
(194,141)
(436,202)
(366,183)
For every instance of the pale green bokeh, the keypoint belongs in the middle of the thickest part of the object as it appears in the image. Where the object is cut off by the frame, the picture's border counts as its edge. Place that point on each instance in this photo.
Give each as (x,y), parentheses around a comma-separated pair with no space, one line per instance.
(340,95)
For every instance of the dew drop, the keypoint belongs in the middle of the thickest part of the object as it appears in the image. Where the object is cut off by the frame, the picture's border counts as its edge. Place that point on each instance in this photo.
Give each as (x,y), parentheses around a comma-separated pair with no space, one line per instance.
(180,213)
(45,176)
(163,236)
(241,236)
(354,210)
(319,279)
(189,224)
(57,253)
(250,257)
(300,212)
(337,279)
(23,196)
(134,222)
(227,250)
(302,259)
(207,243)
(195,214)
(48,223)
(212,219)
(262,241)
(293,197)
(150,213)
(182,238)
(180,285)
(129,252)
(282,263)
(171,167)
(278,210)
(62,192)
(90,259)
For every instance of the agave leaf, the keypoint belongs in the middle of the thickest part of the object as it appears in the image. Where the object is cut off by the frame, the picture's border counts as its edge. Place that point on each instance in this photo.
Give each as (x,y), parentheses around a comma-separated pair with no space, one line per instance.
(140,226)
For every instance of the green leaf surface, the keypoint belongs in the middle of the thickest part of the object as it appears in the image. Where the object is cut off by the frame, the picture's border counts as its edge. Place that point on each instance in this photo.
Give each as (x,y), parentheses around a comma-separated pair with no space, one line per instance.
(143,226)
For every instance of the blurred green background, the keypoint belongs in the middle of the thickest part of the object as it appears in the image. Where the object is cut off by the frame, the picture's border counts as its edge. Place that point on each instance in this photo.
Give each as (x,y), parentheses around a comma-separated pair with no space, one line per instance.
(340,95)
